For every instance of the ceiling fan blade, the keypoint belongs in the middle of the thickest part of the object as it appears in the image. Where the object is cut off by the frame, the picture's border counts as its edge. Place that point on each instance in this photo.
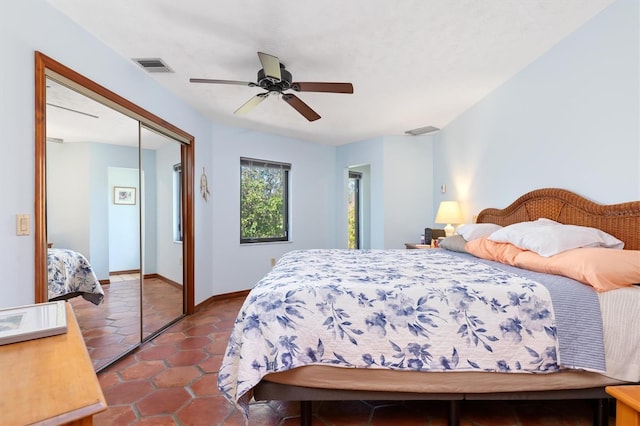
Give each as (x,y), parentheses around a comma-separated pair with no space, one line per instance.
(270,65)
(323,87)
(235,82)
(251,103)
(300,106)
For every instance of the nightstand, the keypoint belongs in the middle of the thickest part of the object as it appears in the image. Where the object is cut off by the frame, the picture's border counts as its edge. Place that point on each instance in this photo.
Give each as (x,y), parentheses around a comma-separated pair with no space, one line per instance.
(627,404)
(417,246)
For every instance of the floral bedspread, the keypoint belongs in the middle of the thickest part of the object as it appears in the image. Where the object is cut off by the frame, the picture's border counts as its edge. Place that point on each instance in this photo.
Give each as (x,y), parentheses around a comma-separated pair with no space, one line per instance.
(70,275)
(389,309)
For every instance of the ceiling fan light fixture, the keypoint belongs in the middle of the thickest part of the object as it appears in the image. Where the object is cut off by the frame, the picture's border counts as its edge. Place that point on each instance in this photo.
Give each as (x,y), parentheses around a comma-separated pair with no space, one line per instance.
(422,130)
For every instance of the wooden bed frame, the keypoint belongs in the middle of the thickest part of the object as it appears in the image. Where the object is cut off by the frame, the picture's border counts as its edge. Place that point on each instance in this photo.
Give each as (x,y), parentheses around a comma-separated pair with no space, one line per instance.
(620,220)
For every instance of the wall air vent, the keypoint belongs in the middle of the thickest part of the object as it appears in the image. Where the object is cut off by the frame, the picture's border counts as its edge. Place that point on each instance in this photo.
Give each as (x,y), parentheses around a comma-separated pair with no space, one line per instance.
(153,64)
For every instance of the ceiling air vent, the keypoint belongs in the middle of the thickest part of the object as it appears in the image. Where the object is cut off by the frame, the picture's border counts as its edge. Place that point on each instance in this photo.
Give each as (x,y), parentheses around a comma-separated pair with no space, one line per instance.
(153,64)
(422,130)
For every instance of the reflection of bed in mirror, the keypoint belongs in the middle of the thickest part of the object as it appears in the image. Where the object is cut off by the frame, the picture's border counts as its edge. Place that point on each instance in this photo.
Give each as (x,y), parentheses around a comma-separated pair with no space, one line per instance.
(71,275)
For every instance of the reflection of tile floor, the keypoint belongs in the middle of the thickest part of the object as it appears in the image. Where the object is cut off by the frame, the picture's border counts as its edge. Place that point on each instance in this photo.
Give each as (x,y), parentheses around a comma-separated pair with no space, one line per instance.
(171,380)
(113,327)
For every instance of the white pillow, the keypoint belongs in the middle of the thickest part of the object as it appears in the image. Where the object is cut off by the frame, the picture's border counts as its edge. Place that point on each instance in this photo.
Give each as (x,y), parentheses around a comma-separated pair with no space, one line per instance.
(473,231)
(547,238)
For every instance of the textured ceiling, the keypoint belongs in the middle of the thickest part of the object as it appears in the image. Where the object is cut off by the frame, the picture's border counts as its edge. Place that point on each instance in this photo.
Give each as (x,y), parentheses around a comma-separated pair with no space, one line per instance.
(412,63)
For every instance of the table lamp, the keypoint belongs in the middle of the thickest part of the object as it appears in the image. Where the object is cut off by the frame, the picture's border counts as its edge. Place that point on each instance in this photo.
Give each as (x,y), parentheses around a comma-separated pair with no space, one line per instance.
(449,212)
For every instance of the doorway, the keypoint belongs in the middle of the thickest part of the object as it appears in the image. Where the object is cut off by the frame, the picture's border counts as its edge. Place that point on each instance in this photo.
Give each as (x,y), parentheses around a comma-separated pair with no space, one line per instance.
(353,211)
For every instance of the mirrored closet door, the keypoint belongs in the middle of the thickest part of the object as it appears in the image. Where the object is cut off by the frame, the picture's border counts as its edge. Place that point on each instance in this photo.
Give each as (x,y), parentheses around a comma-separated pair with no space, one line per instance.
(91,165)
(161,237)
(113,216)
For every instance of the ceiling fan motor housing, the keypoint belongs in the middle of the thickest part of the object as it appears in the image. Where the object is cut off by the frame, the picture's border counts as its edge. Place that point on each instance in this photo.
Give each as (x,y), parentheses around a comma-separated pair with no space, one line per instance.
(274,85)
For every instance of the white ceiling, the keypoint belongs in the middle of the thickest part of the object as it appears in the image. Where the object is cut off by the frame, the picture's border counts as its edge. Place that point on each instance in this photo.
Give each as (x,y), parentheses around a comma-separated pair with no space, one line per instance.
(74,117)
(412,63)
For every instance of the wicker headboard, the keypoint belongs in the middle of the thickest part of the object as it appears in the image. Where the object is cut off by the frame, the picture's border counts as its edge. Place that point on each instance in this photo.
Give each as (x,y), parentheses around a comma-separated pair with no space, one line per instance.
(620,220)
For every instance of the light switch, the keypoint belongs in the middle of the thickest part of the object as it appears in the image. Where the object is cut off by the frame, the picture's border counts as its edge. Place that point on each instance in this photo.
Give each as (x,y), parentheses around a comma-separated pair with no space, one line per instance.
(22,224)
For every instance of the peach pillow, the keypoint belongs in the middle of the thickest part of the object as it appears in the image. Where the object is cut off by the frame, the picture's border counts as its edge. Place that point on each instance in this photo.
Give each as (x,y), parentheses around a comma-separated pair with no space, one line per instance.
(532,261)
(602,268)
(492,250)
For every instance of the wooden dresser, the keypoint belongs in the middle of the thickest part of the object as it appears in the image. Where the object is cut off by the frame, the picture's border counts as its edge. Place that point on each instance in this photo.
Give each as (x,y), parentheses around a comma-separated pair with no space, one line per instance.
(49,381)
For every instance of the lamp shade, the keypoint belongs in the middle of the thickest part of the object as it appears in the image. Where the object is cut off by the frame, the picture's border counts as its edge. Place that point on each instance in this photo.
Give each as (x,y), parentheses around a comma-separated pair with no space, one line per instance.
(449,212)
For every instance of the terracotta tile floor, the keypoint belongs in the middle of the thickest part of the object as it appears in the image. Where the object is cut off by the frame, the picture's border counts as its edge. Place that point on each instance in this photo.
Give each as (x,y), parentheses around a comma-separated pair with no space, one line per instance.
(113,327)
(171,380)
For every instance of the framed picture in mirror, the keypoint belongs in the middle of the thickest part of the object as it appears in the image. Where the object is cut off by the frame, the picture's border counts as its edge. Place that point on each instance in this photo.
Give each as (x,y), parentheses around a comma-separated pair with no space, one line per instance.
(124,195)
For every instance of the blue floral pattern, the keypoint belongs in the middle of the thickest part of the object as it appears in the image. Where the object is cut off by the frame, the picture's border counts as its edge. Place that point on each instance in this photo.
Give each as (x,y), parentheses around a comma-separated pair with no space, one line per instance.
(420,310)
(71,274)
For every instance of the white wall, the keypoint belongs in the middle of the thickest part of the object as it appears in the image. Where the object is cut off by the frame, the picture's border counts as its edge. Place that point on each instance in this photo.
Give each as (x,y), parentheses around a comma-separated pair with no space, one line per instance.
(101,156)
(221,265)
(364,153)
(408,188)
(169,252)
(312,203)
(80,210)
(570,120)
(149,209)
(401,187)
(26,26)
(68,203)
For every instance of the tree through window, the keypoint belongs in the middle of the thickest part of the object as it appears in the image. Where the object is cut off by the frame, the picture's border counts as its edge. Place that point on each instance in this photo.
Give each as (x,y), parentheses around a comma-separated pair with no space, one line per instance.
(264,201)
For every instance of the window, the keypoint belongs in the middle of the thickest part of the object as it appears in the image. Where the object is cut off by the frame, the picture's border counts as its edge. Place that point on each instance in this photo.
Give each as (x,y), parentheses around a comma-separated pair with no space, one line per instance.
(264,201)
(177,202)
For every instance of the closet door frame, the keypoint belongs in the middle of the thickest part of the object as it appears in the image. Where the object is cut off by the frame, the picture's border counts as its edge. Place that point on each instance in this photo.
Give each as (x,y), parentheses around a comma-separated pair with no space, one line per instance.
(46,66)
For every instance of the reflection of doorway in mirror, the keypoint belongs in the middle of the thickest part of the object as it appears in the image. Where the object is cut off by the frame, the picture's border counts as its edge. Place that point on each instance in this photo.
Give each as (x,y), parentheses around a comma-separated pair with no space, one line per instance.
(123,222)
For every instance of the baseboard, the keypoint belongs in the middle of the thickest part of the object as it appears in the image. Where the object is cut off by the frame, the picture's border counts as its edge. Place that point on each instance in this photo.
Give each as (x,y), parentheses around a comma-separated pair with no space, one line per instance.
(128,271)
(146,276)
(220,297)
(165,279)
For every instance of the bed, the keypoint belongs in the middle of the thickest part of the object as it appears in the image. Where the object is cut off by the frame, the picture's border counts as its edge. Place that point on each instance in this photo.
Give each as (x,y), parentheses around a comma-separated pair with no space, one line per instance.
(70,275)
(438,324)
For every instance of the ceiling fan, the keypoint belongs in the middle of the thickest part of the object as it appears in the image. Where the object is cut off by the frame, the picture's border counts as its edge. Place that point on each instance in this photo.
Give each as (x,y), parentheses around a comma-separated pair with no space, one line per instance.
(274,78)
